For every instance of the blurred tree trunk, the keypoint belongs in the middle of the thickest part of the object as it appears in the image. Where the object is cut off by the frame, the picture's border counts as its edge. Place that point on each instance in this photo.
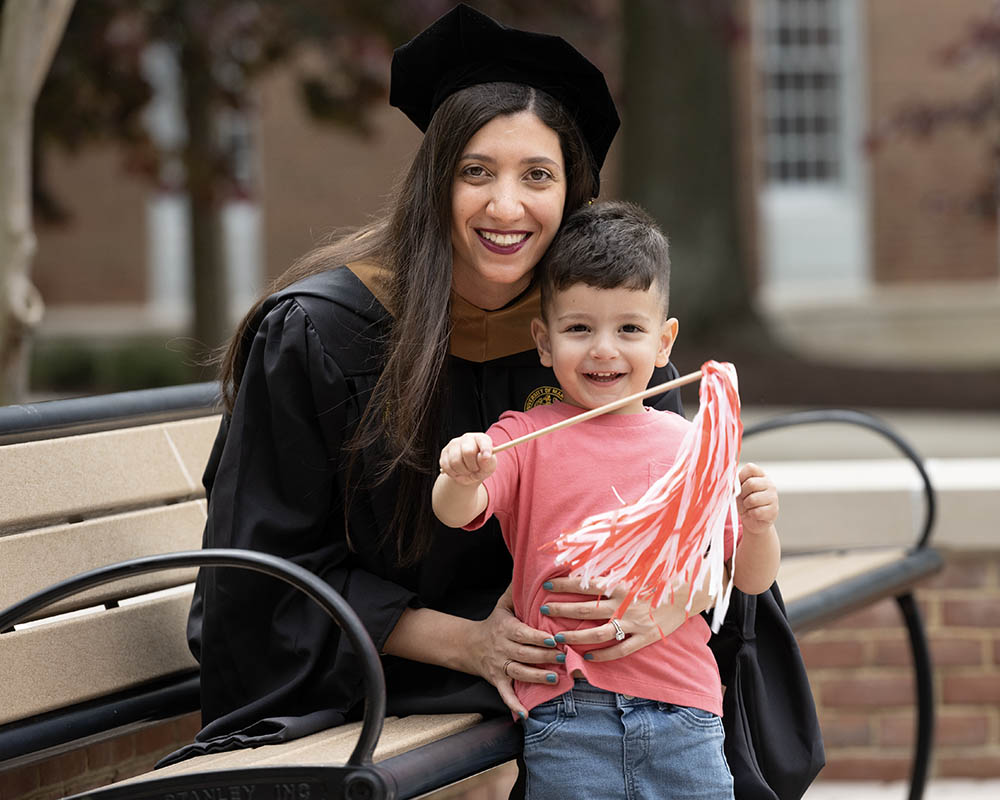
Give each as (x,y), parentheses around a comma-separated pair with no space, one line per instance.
(202,157)
(29,34)
(679,155)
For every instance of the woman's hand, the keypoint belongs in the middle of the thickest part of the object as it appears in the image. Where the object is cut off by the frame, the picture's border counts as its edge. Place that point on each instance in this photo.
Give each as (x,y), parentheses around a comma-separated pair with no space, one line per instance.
(504,648)
(641,624)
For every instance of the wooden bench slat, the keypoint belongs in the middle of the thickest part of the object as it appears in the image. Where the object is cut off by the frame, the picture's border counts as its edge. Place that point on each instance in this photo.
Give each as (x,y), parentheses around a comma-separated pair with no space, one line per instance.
(36,559)
(78,476)
(339,741)
(861,587)
(402,735)
(193,439)
(329,747)
(800,575)
(74,660)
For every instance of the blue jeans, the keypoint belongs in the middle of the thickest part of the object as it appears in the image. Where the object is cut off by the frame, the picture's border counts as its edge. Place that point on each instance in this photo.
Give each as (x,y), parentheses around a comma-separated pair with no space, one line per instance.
(589,743)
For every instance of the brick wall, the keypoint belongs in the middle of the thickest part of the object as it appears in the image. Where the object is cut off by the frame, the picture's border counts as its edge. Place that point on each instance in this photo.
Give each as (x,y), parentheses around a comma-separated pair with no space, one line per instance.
(860,669)
(923,228)
(98,764)
(316,178)
(862,678)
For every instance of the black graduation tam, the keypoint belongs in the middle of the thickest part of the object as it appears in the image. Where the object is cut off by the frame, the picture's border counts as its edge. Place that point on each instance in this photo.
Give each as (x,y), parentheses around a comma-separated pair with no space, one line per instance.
(465,47)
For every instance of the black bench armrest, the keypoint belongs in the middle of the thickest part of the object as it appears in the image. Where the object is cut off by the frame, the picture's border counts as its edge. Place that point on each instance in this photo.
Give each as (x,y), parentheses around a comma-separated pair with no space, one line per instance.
(357,772)
(54,418)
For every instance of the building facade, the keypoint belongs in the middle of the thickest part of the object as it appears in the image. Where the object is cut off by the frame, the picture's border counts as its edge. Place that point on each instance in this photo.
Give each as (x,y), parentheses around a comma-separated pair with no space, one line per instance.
(857,248)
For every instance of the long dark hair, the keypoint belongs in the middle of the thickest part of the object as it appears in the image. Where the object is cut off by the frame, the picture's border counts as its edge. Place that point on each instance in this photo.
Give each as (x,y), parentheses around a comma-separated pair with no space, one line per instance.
(412,240)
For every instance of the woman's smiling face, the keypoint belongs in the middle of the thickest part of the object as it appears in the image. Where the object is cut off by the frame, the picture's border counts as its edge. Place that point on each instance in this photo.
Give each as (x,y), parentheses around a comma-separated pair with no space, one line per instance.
(507,203)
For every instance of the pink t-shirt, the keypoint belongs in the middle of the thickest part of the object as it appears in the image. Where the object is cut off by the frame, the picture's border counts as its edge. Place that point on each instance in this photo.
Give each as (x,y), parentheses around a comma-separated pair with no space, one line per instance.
(548,486)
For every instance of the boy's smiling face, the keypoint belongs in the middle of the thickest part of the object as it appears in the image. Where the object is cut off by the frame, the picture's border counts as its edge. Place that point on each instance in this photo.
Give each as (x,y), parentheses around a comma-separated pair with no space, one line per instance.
(603,344)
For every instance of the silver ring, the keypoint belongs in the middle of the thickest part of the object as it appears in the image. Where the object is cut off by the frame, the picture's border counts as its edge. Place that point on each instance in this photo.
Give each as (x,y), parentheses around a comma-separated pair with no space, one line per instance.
(506,664)
(619,633)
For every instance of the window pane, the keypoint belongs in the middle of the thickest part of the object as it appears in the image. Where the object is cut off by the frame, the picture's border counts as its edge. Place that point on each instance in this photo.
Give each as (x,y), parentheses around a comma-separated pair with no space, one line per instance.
(801,62)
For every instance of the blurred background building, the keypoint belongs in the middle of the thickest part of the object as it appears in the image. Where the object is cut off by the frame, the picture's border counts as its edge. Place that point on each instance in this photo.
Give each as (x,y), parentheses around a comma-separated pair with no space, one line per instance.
(866,199)
(874,247)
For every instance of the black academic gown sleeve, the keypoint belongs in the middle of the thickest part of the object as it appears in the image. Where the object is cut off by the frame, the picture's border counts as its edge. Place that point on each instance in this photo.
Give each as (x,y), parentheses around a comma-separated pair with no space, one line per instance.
(274,666)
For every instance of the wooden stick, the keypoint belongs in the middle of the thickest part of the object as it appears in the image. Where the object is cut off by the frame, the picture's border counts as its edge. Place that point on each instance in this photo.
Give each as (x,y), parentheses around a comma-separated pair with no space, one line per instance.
(684,380)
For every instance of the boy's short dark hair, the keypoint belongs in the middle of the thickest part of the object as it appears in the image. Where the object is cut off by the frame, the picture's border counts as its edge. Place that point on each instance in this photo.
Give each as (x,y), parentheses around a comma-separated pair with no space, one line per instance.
(606,245)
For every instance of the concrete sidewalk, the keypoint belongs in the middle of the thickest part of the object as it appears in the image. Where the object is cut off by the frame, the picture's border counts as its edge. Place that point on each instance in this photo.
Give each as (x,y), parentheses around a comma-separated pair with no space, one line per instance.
(952,789)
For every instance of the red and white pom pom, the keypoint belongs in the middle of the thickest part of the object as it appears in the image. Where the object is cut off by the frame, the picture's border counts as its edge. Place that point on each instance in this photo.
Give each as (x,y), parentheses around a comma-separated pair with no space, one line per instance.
(675,533)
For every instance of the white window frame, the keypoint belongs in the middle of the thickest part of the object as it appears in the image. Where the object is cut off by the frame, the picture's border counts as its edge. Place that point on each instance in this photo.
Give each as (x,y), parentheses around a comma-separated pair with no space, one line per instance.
(814,235)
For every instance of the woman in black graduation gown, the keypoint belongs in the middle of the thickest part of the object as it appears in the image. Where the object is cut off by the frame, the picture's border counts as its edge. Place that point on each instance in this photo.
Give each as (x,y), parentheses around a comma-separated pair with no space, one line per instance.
(340,389)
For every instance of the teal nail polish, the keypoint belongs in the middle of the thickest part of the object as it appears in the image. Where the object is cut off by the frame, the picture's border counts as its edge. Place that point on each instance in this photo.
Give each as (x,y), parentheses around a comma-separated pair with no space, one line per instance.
(544,610)
(560,639)
(561,658)
(521,714)
(588,656)
(551,677)
(550,642)
(547,586)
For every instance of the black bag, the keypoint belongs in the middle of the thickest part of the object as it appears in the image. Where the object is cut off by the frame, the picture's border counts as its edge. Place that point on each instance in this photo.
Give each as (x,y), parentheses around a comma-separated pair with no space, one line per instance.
(773,742)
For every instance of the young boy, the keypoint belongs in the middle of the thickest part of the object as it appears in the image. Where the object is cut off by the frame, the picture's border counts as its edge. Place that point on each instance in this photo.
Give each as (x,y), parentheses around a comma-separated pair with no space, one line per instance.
(648,724)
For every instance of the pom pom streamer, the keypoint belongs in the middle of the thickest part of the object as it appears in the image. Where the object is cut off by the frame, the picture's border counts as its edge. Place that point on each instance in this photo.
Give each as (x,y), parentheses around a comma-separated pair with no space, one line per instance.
(675,533)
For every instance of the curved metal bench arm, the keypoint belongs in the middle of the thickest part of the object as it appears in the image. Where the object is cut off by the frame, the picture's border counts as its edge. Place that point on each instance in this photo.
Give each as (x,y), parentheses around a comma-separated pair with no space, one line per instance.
(865,421)
(299,577)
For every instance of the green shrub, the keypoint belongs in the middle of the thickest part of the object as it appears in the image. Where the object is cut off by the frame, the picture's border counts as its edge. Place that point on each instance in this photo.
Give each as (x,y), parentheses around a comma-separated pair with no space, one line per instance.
(61,366)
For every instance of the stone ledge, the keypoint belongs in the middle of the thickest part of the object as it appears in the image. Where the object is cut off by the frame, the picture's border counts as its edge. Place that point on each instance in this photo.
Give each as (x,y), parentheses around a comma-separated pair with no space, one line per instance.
(880,501)
(922,325)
